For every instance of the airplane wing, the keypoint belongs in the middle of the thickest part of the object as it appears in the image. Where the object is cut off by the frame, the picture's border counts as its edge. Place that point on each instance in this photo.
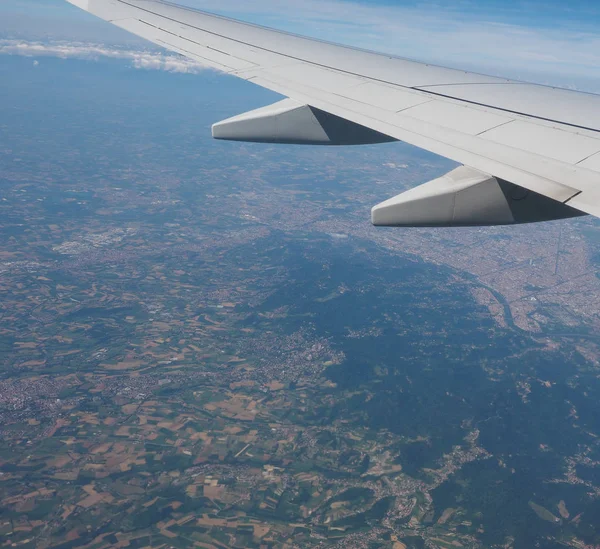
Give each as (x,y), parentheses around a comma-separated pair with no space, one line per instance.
(529,152)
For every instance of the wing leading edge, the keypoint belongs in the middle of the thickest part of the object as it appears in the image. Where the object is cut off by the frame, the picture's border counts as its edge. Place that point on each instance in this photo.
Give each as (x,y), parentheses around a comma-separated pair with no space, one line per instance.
(525,137)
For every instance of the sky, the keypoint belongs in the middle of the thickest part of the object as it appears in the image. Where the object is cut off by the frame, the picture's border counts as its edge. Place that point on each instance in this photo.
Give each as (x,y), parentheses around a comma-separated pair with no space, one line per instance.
(551,42)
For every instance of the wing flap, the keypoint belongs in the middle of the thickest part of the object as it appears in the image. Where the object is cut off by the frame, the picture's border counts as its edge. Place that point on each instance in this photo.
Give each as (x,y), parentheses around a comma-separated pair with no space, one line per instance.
(545,141)
(456,117)
(390,98)
(591,163)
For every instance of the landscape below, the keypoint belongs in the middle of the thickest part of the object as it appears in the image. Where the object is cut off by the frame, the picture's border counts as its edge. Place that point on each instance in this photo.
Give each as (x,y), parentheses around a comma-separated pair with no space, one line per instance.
(207,344)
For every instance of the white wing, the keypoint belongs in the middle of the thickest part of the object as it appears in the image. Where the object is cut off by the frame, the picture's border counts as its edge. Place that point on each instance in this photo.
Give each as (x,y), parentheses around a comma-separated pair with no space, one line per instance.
(543,139)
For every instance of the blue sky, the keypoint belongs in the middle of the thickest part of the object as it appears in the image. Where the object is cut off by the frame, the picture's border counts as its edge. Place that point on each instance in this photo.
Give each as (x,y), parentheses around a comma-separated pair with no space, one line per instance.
(546,41)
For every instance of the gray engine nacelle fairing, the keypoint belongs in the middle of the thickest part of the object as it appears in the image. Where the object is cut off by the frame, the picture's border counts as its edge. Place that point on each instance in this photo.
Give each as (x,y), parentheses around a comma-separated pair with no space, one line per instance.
(467,197)
(290,122)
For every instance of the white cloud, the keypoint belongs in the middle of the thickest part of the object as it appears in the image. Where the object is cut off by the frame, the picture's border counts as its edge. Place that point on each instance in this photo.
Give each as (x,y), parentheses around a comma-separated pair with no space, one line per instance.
(139,59)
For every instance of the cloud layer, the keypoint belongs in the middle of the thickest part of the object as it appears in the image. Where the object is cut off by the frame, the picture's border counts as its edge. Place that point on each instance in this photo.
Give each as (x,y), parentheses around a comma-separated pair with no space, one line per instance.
(148,60)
